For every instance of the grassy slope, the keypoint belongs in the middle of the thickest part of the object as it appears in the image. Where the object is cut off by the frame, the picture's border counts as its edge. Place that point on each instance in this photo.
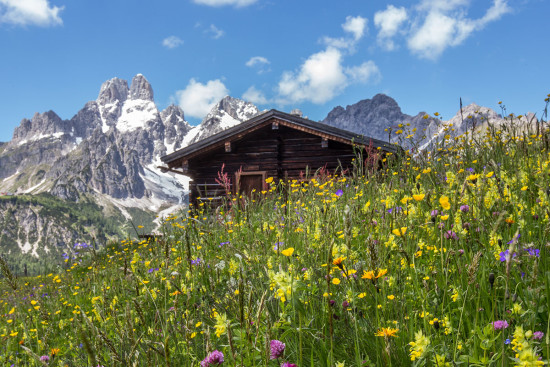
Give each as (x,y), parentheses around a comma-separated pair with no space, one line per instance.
(85,218)
(350,269)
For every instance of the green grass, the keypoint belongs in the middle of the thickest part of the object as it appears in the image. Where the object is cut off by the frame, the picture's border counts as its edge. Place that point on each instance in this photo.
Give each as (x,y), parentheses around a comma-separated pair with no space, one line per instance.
(408,254)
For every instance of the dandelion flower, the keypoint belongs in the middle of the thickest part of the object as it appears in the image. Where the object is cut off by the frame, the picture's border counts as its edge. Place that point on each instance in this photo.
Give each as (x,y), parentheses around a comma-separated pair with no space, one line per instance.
(419,197)
(288,252)
(400,231)
(444,201)
(387,332)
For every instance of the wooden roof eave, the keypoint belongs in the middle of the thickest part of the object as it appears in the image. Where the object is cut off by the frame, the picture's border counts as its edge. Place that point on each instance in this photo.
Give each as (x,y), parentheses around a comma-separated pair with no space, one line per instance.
(263,120)
(221,142)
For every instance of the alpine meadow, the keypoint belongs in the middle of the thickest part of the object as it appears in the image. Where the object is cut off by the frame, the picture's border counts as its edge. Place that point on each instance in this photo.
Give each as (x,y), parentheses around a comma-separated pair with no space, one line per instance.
(437,258)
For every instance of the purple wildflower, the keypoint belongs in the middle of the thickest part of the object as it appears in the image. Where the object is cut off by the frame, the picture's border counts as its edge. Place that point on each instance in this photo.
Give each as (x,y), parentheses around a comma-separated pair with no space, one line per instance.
(507,341)
(224,243)
(197,261)
(533,251)
(213,359)
(450,235)
(515,239)
(465,208)
(288,364)
(45,358)
(537,335)
(339,193)
(500,324)
(345,304)
(277,349)
(505,255)
(434,213)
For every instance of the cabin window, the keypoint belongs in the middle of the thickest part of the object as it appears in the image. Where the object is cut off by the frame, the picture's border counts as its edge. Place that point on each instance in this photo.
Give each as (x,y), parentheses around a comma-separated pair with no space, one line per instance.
(250,182)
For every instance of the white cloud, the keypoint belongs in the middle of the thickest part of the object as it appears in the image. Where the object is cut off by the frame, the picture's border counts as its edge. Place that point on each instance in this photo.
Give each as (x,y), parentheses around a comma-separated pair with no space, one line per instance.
(197,99)
(321,77)
(445,25)
(215,32)
(367,72)
(215,3)
(389,22)
(254,95)
(260,63)
(29,12)
(355,25)
(257,60)
(172,42)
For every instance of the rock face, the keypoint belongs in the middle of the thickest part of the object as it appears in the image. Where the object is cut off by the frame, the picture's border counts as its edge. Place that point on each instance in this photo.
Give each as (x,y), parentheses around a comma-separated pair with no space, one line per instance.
(141,89)
(109,147)
(371,117)
(28,229)
(108,152)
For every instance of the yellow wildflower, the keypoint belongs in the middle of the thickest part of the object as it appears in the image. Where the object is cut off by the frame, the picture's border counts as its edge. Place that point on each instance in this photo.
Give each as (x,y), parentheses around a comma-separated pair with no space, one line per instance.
(288,252)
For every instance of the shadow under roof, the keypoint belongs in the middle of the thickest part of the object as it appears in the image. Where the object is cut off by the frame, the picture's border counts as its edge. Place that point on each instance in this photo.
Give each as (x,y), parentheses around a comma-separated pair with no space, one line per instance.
(351,137)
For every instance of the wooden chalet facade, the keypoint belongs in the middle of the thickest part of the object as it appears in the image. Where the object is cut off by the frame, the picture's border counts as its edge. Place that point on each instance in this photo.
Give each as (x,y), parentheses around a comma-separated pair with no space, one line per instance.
(273,144)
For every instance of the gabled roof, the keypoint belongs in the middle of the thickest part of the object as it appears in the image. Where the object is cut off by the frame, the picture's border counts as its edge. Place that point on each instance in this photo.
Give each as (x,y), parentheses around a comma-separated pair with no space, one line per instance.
(292,121)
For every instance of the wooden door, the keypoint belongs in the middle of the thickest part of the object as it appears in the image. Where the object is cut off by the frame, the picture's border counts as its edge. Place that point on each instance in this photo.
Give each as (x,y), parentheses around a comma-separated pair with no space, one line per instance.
(249,182)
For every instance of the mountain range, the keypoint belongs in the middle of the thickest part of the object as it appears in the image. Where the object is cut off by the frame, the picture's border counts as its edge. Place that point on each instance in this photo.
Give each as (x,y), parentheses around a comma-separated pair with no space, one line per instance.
(103,161)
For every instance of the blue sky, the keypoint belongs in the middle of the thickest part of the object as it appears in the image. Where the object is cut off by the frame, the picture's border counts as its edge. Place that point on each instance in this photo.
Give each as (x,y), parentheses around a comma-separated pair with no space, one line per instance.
(284,54)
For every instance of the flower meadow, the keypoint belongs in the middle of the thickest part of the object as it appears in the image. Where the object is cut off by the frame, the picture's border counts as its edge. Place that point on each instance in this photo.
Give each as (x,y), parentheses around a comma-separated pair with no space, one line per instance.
(435,259)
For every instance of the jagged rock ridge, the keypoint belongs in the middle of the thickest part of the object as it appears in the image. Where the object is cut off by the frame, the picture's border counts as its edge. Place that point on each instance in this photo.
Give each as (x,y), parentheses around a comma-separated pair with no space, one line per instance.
(380,118)
(108,152)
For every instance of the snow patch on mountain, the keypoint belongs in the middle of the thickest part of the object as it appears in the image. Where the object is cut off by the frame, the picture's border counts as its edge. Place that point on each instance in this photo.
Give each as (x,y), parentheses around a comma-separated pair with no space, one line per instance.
(226,113)
(106,110)
(40,137)
(33,188)
(190,137)
(136,113)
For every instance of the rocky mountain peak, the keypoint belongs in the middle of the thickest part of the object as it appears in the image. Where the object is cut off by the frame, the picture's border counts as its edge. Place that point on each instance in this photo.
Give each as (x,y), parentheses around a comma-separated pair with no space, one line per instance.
(41,124)
(228,112)
(141,89)
(371,117)
(113,90)
(173,114)
(234,107)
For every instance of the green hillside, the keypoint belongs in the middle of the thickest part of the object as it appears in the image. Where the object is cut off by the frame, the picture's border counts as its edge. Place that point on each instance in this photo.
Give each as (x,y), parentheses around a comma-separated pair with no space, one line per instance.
(52,226)
(439,259)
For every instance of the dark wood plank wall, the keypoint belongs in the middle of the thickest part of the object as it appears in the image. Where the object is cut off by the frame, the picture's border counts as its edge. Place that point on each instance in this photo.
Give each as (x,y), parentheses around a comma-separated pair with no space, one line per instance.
(284,153)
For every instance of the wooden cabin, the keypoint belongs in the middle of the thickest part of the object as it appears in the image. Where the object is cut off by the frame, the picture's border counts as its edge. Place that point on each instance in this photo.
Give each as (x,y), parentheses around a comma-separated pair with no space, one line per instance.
(273,144)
